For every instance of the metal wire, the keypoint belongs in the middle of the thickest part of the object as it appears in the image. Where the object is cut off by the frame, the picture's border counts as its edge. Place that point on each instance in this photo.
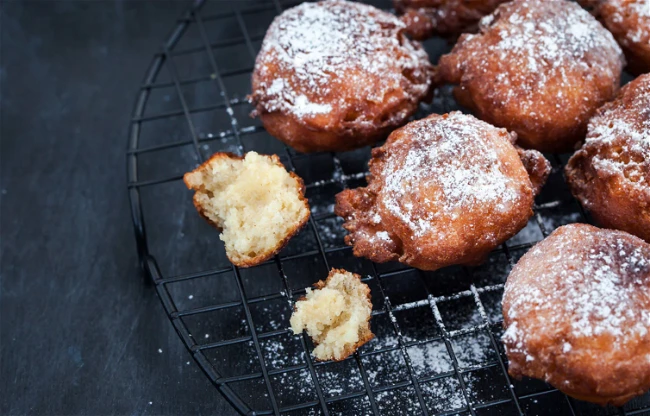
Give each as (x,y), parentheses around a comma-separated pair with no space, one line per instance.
(321,402)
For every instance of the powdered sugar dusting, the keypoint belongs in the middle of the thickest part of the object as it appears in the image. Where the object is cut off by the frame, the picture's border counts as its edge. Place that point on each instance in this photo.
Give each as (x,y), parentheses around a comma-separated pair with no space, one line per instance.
(554,44)
(639,8)
(430,359)
(332,47)
(383,235)
(625,129)
(637,143)
(447,155)
(596,288)
(444,394)
(395,402)
(302,106)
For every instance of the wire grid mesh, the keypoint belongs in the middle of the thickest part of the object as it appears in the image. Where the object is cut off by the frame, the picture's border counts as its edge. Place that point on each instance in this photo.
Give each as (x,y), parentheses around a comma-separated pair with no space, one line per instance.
(437,348)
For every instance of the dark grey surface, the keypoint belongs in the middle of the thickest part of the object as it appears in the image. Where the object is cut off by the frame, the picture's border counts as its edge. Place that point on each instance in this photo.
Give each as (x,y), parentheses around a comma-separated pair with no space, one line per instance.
(80,328)
(81,331)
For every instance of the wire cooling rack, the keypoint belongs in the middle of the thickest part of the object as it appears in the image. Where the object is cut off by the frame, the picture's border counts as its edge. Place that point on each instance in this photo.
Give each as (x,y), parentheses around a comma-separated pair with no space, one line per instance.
(437,348)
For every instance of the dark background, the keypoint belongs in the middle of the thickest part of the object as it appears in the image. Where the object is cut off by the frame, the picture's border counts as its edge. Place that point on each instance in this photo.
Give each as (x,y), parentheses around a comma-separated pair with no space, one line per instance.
(80,328)
(82,332)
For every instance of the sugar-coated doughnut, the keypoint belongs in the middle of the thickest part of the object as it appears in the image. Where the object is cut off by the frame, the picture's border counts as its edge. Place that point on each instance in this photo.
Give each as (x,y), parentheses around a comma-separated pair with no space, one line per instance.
(337,75)
(538,68)
(576,310)
(629,22)
(610,174)
(442,190)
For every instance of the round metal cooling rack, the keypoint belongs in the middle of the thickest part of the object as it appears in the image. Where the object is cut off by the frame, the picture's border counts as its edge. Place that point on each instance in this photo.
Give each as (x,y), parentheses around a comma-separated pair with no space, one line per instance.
(437,348)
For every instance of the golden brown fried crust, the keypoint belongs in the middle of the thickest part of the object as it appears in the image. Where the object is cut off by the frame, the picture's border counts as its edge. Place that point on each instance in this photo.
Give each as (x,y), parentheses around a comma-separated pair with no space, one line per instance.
(366,335)
(351,204)
(303,136)
(425,18)
(537,166)
(261,258)
(539,68)
(629,22)
(337,75)
(443,190)
(577,310)
(610,174)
